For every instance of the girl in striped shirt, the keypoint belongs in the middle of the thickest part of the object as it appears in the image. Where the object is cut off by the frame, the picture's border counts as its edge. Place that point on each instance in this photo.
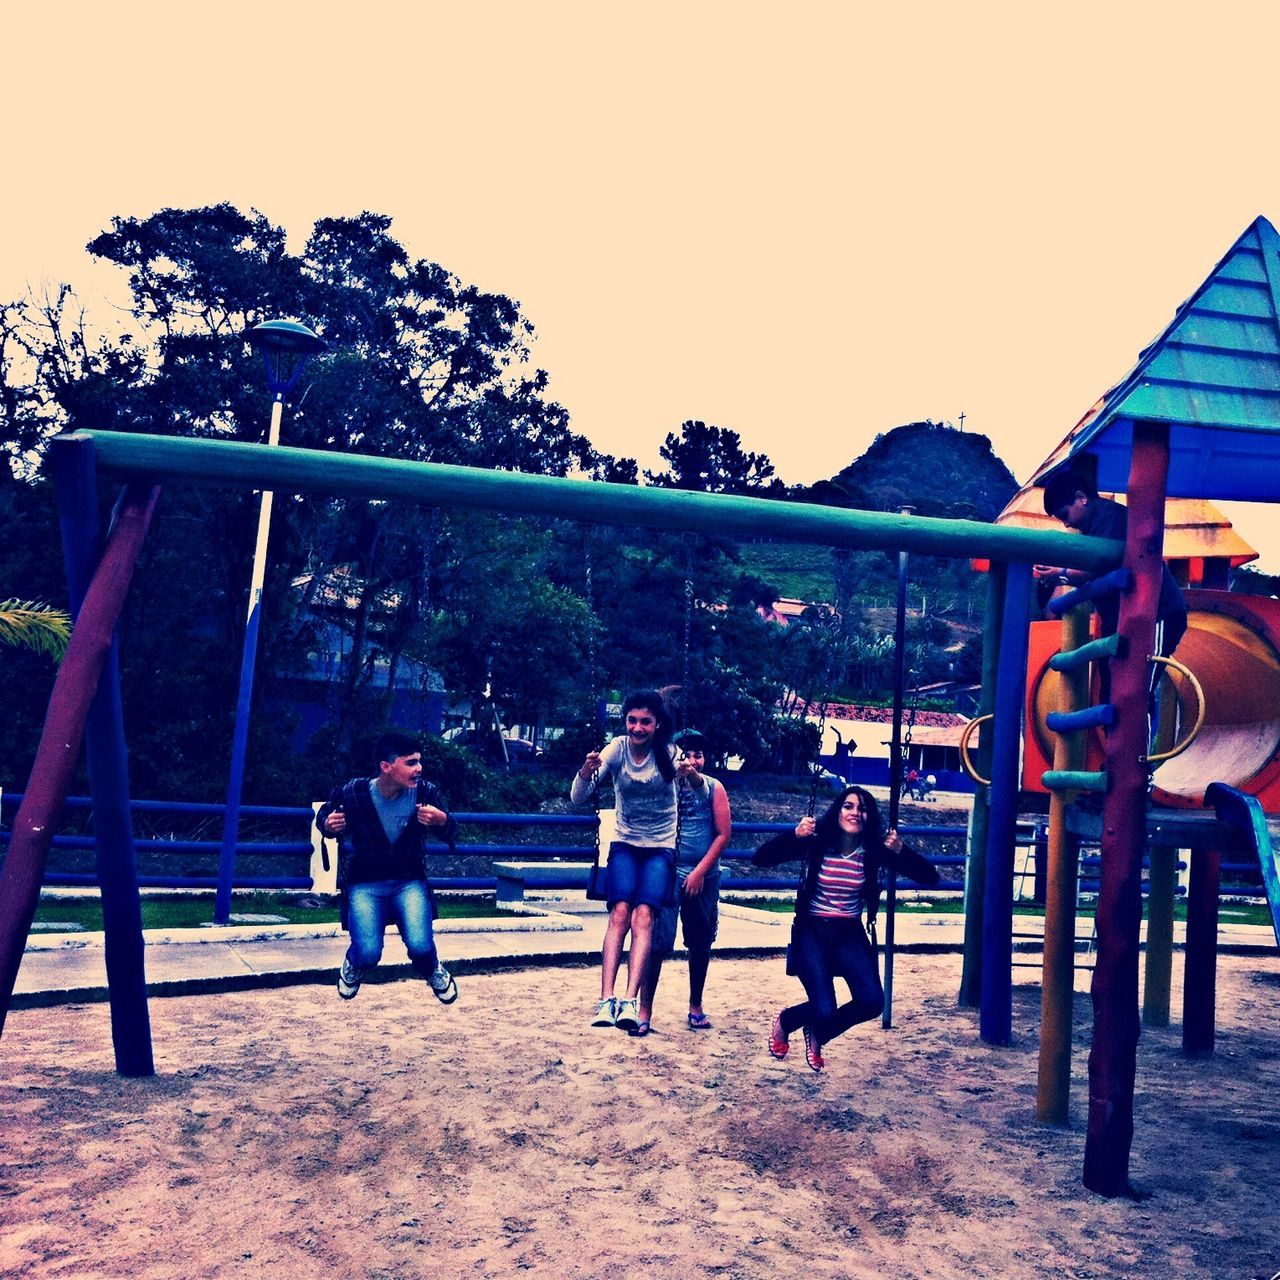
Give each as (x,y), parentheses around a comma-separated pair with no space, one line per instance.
(843,853)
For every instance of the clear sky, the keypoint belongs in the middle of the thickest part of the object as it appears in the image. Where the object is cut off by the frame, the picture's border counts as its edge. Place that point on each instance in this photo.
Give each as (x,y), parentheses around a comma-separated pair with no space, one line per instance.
(809,222)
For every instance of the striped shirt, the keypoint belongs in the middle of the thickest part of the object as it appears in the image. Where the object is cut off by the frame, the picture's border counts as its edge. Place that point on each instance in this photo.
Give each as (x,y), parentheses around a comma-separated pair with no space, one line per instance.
(838,892)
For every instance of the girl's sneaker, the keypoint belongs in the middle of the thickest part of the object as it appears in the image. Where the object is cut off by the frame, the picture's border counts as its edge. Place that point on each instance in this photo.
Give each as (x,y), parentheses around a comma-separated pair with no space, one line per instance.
(606,1014)
(628,1018)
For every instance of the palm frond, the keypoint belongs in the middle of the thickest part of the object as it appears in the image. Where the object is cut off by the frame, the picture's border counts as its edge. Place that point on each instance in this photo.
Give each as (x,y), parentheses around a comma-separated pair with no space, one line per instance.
(32,625)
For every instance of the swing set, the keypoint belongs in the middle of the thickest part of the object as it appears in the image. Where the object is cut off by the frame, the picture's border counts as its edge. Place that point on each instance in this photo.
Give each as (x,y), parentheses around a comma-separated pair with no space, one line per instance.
(1198,417)
(85,703)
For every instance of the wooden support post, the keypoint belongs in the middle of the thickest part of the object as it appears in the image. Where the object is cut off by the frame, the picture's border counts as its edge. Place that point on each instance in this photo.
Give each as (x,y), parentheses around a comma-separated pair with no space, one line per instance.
(1199,993)
(1162,881)
(1057,993)
(75,479)
(995,1018)
(1113,1056)
(1040,865)
(975,866)
(1162,884)
(63,732)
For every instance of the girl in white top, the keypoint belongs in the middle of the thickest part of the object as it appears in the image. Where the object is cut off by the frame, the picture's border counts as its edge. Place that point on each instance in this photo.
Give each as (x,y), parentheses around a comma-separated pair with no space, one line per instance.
(640,876)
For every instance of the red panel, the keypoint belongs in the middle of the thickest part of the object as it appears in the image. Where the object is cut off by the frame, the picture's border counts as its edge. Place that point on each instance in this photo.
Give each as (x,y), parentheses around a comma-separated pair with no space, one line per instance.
(1260,614)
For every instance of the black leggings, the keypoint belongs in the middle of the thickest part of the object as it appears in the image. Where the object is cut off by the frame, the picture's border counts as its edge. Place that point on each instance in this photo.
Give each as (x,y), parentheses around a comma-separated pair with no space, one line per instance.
(823,949)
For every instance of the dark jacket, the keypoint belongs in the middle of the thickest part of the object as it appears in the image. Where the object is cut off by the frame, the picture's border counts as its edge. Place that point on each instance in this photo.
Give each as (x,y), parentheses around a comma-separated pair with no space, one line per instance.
(365,853)
(789,847)
(1109,519)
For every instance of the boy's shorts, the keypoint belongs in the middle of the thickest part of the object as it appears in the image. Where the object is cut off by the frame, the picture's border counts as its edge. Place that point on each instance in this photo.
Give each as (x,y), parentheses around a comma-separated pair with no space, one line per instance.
(699,913)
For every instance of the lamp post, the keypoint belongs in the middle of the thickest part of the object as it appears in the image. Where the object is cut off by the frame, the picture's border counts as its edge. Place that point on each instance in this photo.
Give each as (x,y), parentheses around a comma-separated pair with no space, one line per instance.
(286,346)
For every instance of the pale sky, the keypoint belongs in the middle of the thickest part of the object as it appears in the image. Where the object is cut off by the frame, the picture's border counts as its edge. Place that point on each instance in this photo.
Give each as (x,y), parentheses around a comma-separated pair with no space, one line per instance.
(808,223)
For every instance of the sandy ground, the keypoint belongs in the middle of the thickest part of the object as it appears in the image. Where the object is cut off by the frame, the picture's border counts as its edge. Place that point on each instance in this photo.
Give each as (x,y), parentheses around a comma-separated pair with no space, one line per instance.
(286,1134)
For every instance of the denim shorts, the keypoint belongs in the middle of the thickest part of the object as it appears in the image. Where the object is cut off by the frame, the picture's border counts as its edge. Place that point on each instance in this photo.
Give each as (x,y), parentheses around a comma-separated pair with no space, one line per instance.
(640,876)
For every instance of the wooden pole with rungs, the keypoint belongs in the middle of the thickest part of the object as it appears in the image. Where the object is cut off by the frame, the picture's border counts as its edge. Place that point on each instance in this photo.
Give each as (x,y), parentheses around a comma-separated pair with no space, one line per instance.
(1116,1024)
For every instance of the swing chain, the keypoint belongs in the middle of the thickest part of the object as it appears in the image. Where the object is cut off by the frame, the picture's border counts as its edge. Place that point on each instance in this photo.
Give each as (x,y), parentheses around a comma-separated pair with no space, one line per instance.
(832,655)
(905,748)
(591,628)
(688,632)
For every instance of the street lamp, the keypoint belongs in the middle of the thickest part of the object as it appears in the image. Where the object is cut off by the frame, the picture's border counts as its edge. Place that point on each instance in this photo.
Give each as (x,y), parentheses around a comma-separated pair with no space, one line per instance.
(286,346)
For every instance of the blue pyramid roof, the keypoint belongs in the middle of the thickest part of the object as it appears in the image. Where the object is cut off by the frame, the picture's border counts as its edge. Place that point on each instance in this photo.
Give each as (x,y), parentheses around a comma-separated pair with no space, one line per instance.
(1214,376)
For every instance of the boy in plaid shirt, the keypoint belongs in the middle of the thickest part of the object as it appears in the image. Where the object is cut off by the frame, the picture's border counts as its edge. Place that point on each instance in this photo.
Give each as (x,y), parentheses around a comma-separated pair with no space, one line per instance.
(381,824)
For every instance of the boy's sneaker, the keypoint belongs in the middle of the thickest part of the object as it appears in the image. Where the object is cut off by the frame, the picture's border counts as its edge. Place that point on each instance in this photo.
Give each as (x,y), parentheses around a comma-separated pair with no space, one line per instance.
(443,985)
(628,1018)
(606,1014)
(348,980)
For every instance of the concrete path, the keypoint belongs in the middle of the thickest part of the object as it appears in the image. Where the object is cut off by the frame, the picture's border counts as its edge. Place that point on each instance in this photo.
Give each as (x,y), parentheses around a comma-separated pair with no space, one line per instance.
(71,967)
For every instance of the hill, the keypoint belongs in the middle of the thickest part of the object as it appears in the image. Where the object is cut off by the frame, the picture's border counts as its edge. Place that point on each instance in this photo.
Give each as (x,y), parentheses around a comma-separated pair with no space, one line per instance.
(941,472)
(938,470)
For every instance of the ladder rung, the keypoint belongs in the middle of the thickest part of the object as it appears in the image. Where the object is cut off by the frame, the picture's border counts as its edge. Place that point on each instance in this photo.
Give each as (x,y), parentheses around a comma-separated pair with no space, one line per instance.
(1111,646)
(1117,580)
(1085,718)
(1074,780)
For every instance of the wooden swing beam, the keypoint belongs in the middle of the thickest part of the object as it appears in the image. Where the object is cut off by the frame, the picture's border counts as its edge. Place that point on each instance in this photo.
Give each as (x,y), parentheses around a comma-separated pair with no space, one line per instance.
(233,464)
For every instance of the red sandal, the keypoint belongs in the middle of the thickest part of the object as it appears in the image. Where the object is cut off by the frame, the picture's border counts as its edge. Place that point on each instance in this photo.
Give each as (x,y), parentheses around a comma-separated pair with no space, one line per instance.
(813,1050)
(779,1046)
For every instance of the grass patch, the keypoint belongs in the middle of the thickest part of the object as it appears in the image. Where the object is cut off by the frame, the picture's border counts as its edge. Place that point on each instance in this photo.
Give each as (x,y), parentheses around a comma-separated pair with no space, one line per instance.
(1235,913)
(787,905)
(191,910)
(1228,912)
(790,569)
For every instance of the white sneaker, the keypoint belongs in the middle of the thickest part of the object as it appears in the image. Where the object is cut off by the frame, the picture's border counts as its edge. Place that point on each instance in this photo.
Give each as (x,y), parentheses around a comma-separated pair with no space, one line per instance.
(628,1017)
(348,980)
(443,985)
(606,1014)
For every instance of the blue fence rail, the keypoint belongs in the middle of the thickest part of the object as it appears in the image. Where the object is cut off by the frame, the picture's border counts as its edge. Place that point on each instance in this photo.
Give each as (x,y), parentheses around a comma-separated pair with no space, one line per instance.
(1028,834)
(297,849)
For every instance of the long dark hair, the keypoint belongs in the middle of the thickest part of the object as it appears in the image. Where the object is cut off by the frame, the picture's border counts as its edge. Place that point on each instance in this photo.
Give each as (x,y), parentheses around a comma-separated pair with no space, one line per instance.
(652,700)
(828,828)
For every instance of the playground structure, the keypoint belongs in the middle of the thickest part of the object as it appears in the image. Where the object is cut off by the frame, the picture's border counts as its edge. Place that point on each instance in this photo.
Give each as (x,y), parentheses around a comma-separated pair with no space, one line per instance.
(1138,437)
(1197,418)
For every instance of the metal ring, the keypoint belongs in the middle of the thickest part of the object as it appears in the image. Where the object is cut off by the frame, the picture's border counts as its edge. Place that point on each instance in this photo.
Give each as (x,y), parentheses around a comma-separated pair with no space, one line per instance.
(965,763)
(1195,728)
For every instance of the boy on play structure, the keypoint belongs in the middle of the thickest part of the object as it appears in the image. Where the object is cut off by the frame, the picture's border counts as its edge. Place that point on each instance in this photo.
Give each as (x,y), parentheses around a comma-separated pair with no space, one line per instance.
(1073,500)
(381,824)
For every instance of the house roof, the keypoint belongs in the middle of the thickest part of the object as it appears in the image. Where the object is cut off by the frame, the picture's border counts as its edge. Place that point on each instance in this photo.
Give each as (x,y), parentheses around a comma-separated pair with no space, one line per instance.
(884,715)
(1214,376)
(845,722)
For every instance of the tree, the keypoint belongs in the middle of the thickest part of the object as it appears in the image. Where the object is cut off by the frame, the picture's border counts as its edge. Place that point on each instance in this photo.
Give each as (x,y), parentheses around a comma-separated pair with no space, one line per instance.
(420,365)
(711,459)
(38,627)
(501,626)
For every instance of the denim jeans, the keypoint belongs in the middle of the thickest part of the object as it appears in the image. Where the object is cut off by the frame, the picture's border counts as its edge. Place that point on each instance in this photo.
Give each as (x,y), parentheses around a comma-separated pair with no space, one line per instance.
(823,950)
(373,905)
